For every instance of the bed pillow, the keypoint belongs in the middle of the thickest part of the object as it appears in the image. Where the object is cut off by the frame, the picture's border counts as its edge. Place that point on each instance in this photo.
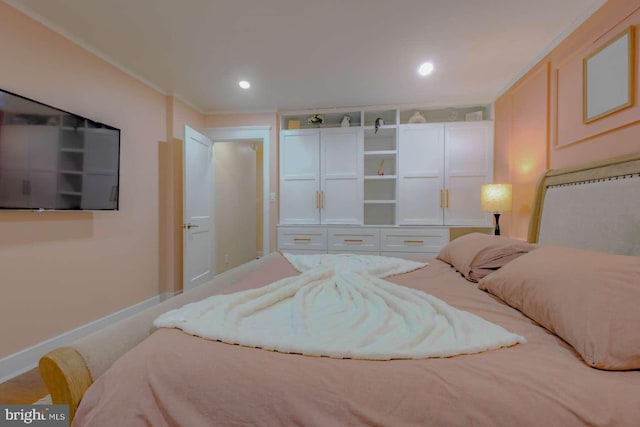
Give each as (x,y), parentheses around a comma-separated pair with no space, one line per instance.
(475,255)
(589,299)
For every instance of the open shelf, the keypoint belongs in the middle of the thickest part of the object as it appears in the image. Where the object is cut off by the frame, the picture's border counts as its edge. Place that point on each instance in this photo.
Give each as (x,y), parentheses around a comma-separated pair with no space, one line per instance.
(381,153)
(380,214)
(377,177)
(331,120)
(388,116)
(372,165)
(379,202)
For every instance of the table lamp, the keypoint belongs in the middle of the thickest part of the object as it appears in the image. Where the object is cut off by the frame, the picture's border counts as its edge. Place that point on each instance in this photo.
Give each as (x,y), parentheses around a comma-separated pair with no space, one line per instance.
(496,198)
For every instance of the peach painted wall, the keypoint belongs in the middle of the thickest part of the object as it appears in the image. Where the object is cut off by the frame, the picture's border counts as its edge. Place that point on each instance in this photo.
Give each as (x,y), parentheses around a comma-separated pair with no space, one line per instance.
(184,114)
(259,119)
(617,134)
(62,270)
(521,140)
(543,112)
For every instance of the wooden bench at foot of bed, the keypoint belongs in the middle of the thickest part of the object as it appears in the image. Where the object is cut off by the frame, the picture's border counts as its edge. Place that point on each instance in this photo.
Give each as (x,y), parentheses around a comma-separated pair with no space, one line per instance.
(66,375)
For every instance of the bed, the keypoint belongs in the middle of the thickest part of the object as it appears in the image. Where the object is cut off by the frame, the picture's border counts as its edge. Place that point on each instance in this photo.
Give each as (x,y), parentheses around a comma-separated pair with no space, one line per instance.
(134,374)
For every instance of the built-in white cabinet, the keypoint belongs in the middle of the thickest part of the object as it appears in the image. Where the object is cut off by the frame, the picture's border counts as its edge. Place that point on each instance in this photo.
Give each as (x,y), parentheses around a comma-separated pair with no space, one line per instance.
(441,167)
(400,242)
(421,174)
(302,240)
(375,168)
(468,163)
(321,176)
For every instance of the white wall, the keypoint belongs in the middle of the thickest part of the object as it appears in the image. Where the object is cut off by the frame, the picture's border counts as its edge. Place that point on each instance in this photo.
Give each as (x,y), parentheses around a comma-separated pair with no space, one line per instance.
(235,204)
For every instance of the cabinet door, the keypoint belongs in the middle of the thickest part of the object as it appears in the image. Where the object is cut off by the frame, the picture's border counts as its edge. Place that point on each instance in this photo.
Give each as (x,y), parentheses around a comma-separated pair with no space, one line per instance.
(468,165)
(101,151)
(341,163)
(14,188)
(420,174)
(42,189)
(99,191)
(299,176)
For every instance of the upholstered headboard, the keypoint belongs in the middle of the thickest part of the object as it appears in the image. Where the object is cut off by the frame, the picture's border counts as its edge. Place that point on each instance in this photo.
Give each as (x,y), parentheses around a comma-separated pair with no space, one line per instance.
(595,206)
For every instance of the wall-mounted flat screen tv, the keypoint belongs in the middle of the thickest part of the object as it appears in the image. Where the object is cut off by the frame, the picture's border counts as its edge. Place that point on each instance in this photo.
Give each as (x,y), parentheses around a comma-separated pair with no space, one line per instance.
(54,160)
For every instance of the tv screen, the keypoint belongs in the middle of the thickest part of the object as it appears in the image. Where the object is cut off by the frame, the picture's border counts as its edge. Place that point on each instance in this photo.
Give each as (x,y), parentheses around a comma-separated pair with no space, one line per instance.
(52,159)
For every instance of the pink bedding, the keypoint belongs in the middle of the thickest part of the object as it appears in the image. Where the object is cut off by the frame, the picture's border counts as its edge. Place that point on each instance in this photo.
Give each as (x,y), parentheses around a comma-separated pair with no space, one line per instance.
(175,379)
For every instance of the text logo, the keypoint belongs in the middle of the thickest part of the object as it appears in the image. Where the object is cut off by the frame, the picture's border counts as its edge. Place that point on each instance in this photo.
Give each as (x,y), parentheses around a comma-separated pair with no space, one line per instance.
(34,415)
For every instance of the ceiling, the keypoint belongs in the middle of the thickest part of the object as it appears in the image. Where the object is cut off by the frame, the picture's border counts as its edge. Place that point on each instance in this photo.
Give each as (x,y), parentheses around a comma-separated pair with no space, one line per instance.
(301,54)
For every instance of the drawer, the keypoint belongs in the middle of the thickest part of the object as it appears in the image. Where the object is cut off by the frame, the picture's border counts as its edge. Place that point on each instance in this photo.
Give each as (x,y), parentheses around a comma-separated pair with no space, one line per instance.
(302,238)
(354,252)
(349,239)
(414,239)
(304,252)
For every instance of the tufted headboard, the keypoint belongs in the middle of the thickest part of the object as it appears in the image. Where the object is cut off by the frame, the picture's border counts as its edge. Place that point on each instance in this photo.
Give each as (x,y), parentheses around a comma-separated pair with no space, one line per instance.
(595,206)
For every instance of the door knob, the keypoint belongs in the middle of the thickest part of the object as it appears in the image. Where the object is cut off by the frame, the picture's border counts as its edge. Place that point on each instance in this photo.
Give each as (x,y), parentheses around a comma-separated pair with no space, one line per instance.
(188,226)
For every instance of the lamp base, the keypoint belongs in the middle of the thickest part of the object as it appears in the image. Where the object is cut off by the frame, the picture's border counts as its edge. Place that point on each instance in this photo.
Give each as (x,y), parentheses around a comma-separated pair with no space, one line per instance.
(497,230)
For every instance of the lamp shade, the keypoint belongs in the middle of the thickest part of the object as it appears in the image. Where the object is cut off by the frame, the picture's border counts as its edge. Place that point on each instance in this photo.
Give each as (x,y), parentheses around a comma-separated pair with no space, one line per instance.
(495,197)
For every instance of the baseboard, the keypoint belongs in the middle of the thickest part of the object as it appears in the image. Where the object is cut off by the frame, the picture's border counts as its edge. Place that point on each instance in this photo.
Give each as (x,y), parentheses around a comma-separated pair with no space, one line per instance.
(27,359)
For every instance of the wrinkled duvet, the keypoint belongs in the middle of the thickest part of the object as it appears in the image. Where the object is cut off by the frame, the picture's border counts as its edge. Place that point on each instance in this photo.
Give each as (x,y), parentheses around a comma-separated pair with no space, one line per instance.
(176,379)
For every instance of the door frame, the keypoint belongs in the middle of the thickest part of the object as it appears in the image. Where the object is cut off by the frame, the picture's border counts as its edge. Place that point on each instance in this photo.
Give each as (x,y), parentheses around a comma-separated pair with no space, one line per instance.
(240,133)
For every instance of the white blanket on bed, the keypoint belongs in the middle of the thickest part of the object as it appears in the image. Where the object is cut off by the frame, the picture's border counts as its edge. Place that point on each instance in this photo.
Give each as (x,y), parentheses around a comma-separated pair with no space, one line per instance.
(340,307)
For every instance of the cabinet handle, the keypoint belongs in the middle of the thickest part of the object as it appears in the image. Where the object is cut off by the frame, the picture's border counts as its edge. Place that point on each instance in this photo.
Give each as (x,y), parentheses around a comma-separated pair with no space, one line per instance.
(317,199)
(353,240)
(447,202)
(301,239)
(414,241)
(441,193)
(322,199)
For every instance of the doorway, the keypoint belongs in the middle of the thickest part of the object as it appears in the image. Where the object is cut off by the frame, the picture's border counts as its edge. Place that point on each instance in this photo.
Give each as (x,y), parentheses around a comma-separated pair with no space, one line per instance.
(249,146)
(238,202)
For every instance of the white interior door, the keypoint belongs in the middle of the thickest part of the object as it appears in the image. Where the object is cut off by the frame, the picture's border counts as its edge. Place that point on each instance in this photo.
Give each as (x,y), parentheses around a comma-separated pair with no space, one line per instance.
(198,256)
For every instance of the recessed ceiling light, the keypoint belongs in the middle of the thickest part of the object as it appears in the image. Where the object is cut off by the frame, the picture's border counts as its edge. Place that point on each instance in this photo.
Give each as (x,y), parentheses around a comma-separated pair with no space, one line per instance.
(425,69)
(244,84)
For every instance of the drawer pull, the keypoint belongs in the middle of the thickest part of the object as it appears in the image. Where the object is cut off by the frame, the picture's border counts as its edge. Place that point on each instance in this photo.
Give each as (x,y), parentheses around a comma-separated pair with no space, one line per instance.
(414,241)
(353,240)
(302,239)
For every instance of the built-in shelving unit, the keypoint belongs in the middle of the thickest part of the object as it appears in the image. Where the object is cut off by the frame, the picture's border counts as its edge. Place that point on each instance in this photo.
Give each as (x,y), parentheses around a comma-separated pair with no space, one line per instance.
(380,129)
(380,166)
